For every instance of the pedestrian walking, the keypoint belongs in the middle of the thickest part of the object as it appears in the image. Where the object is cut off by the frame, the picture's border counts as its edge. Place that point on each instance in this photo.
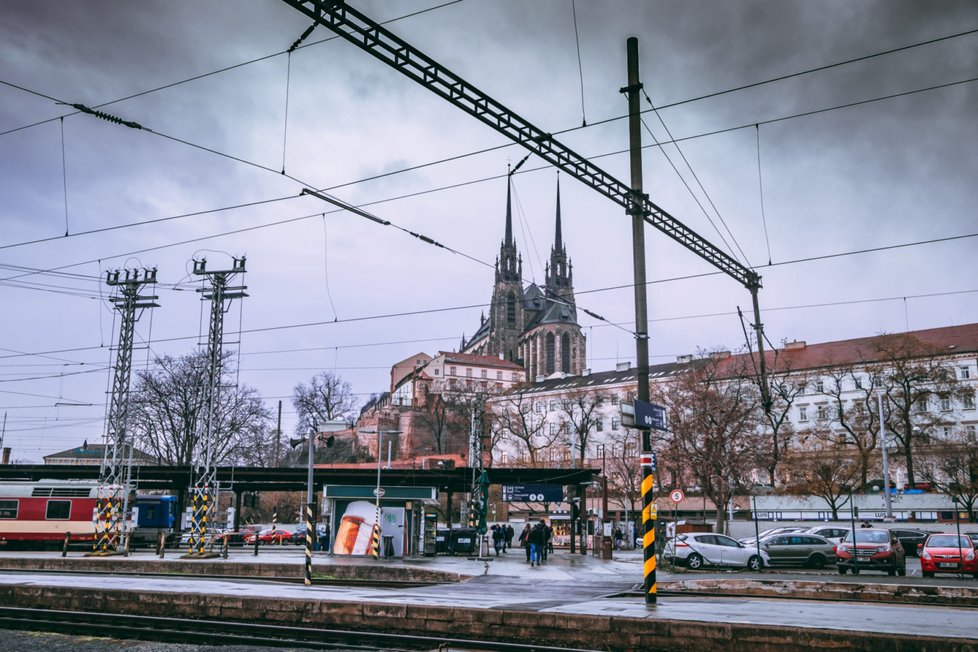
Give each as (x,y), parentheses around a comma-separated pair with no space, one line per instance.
(538,539)
(525,540)
(510,533)
(548,543)
(498,537)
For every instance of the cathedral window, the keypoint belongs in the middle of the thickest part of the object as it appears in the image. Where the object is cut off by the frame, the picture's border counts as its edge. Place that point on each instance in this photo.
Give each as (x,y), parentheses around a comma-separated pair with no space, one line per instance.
(551,345)
(511,310)
(565,353)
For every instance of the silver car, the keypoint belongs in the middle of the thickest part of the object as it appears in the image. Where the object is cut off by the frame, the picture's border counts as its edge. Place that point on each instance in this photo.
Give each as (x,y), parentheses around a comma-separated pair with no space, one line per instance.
(833,533)
(799,549)
(698,549)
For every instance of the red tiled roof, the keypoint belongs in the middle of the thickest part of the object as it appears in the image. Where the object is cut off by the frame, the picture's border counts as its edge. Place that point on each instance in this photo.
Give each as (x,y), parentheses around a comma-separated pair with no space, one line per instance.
(952,340)
(481,360)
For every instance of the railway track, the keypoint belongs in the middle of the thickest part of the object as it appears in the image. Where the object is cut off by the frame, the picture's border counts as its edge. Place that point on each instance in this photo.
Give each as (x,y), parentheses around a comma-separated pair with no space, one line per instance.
(213,632)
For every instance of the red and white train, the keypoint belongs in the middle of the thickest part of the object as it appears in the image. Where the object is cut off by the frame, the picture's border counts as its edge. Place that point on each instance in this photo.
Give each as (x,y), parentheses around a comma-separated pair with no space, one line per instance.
(45,510)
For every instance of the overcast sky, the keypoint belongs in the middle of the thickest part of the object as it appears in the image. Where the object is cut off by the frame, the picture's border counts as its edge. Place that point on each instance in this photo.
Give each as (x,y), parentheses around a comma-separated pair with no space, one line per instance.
(329,290)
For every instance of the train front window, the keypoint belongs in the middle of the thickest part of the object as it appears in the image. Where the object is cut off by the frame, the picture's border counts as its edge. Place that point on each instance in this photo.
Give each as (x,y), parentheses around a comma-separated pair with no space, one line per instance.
(8,509)
(58,510)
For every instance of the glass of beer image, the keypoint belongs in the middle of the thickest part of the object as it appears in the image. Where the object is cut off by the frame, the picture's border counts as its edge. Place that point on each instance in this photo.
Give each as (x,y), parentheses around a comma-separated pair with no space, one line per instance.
(356,526)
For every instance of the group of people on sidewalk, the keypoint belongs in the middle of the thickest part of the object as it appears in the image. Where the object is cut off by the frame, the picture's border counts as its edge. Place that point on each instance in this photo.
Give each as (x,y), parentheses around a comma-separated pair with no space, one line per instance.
(537,540)
(502,537)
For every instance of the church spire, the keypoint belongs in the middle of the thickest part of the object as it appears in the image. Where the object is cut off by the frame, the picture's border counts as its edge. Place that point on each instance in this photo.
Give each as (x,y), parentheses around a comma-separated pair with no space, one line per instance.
(557,237)
(509,211)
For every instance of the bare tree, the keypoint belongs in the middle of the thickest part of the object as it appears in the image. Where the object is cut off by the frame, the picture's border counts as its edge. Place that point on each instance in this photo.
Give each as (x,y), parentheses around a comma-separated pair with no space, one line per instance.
(716,424)
(858,421)
(623,469)
(579,414)
(953,469)
(327,397)
(517,423)
(168,415)
(445,418)
(785,386)
(828,472)
(913,376)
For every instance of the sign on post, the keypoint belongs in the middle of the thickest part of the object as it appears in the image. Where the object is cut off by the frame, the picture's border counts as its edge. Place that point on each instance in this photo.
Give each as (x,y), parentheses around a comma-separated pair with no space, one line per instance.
(533,493)
(649,415)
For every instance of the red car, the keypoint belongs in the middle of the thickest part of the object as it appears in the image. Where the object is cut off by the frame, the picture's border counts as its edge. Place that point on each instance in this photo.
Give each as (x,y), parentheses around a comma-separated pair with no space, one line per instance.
(272,535)
(948,553)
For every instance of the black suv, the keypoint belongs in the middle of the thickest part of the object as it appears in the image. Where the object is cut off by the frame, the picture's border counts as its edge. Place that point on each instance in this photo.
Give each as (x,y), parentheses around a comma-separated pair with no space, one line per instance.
(909,539)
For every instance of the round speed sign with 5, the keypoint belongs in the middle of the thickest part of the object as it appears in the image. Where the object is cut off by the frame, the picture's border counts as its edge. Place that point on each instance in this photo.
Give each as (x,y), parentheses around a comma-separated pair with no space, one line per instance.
(677,495)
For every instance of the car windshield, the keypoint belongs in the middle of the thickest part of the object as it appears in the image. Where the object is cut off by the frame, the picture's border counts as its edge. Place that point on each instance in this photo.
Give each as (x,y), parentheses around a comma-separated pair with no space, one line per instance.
(948,541)
(870,536)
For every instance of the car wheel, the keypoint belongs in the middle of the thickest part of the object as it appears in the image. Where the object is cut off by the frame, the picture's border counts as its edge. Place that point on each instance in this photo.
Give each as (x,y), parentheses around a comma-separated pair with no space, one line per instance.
(755,563)
(816,561)
(694,562)
(842,570)
(902,572)
(927,573)
(891,572)
(855,571)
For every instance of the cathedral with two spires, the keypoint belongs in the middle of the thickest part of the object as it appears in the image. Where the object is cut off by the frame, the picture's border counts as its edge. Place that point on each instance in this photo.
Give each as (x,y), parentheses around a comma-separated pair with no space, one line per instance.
(533,326)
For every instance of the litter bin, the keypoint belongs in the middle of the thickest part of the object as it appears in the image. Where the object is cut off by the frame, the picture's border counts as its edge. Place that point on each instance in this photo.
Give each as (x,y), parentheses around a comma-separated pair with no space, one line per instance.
(464,541)
(606,547)
(443,540)
(388,548)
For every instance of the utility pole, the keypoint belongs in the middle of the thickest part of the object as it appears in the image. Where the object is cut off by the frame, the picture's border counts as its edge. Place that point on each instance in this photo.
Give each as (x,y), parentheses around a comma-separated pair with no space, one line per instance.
(887,500)
(115,472)
(278,438)
(637,211)
(204,490)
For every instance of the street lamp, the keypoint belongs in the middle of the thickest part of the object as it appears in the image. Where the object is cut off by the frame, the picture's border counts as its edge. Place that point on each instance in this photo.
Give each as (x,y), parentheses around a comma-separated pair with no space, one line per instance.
(887,503)
(310,505)
(377,491)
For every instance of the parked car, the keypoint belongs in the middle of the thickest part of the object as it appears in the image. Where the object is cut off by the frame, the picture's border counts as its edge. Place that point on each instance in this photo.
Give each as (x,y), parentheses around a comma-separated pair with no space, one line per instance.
(948,553)
(234,539)
(777,530)
(697,549)
(910,539)
(799,548)
(973,536)
(872,549)
(833,533)
(271,535)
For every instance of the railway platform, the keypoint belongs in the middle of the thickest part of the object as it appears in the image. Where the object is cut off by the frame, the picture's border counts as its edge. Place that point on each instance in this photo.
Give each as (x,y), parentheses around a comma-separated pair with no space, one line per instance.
(573,600)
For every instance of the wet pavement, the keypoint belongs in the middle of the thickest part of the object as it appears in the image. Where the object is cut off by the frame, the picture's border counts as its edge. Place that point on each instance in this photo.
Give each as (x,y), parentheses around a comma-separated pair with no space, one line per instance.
(567,584)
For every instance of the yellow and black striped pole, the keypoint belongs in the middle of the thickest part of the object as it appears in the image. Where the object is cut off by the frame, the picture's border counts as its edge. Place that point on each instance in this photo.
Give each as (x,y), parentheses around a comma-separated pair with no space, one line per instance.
(375,535)
(309,537)
(648,523)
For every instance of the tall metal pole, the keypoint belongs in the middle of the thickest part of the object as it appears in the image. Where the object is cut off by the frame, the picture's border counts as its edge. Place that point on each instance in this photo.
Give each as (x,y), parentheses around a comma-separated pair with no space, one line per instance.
(114,474)
(887,502)
(309,508)
(375,540)
(637,211)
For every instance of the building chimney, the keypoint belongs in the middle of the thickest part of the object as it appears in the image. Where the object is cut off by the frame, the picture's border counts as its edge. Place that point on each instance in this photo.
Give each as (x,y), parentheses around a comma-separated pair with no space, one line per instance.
(6,455)
(623,366)
(586,372)
(540,379)
(501,356)
(684,359)
(797,345)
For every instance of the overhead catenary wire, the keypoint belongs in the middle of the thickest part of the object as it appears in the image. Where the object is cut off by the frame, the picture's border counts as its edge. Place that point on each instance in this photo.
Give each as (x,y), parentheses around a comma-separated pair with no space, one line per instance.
(760,191)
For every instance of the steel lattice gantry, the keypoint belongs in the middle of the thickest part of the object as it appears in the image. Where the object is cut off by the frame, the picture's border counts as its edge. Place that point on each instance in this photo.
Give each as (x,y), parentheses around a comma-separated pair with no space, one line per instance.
(114,481)
(204,489)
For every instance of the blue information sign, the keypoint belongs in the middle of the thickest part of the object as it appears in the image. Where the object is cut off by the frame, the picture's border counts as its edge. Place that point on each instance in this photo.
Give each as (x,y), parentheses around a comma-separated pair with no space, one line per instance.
(649,415)
(533,493)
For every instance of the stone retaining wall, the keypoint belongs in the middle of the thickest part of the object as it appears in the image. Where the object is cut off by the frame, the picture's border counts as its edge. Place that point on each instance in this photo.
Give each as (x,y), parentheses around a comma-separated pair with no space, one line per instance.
(574,630)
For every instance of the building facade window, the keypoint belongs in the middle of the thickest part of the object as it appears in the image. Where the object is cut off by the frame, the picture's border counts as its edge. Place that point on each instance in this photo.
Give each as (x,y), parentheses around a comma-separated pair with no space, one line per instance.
(452,371)
(803,413)
(969,401)
(468,372)
(553,428)
(945,404)
(511,310)
(485,373)
(819,386)
(499,375)
(551,344)
(969,433)
(599,425)
(858,380)
(615,423)
(538,407)
(821,412)
(565,353)
(964,373)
